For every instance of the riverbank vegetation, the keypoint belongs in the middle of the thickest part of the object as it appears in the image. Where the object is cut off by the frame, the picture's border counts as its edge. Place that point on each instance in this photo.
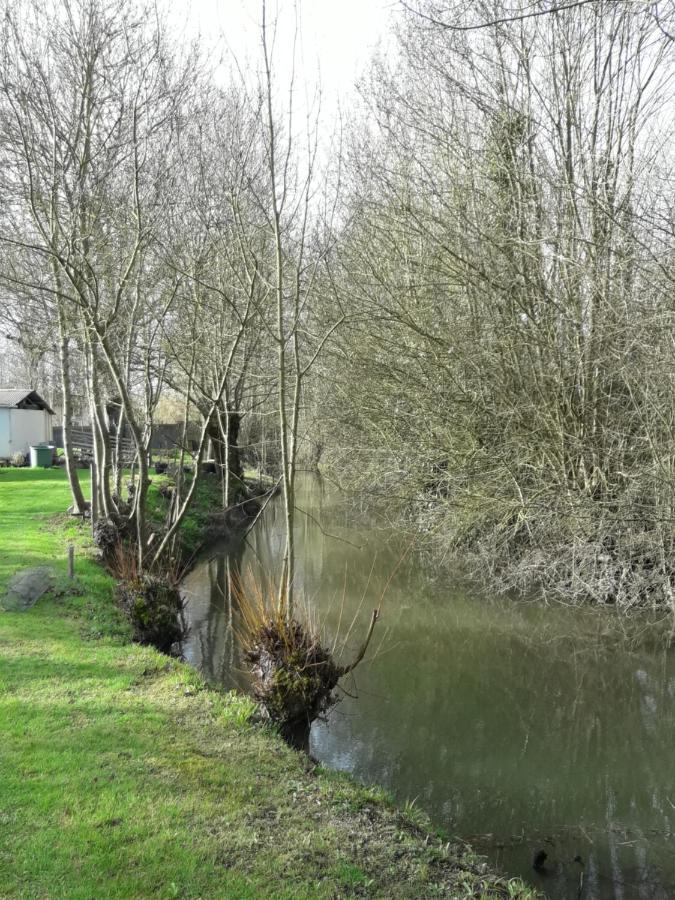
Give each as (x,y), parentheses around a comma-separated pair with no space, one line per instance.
(294,672)
(508,262)
(123,775)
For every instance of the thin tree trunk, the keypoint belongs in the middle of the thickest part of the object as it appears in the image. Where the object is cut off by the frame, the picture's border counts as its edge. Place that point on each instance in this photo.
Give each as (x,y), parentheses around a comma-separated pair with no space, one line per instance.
(79,503)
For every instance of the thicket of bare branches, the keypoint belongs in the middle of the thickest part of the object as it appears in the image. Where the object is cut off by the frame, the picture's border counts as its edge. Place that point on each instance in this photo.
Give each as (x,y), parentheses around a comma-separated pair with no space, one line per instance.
(508,264)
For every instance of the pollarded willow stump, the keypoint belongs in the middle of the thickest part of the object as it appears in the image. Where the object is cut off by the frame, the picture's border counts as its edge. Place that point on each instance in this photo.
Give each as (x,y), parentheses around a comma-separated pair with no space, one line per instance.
(295,676)
(155,609)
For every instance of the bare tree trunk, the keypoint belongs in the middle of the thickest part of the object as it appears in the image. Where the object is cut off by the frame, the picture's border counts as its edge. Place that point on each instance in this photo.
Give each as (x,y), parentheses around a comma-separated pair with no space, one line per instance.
(287,570)
(79,503)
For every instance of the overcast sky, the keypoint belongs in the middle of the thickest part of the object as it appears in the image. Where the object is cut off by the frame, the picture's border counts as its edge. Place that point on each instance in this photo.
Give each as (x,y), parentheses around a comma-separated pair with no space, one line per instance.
(338,36)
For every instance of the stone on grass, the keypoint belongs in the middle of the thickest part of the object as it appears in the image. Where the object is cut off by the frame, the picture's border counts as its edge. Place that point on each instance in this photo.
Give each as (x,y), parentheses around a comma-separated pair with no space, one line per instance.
(26,588)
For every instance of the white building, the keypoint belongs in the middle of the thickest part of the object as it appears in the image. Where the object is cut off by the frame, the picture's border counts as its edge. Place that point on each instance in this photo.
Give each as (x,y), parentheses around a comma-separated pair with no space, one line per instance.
(25,420)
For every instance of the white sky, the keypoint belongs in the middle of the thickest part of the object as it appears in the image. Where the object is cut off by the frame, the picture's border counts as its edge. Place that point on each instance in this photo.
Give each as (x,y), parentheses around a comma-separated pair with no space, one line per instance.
(338,36)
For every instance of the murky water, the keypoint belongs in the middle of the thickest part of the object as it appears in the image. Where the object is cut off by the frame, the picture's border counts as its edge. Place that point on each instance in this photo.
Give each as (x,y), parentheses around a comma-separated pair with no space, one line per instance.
(517,727)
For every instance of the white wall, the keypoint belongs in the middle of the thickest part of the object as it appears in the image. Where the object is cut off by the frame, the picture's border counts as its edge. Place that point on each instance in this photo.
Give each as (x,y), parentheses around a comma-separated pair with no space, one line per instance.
(5,446)
(19,428)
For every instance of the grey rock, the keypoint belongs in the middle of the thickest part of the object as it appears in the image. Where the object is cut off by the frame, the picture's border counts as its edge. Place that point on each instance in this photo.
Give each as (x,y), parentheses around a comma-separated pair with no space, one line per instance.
(26,588)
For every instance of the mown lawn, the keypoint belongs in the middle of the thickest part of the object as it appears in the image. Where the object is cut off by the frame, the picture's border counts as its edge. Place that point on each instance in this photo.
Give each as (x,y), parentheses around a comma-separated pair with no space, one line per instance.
(123,775)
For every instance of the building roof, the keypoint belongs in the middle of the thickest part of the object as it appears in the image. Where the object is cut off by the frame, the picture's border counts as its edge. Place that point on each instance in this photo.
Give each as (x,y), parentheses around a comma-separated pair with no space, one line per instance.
(22,398)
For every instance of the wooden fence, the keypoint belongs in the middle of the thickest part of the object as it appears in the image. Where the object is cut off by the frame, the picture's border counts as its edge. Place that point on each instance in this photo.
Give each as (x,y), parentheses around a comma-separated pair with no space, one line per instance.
(83,442)
(165,437)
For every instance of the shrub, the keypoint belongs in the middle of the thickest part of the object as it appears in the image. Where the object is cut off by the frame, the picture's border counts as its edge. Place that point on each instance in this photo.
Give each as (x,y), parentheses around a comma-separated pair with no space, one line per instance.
(151,600)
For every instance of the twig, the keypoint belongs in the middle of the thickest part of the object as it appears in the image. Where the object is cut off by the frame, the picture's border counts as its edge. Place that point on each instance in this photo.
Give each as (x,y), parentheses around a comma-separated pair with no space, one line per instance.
(362,652)
(325,533)
(270,494)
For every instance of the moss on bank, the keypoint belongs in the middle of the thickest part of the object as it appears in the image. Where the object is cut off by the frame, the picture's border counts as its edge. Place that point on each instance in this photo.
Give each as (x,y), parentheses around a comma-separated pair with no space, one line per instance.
(205,521)
(123,775)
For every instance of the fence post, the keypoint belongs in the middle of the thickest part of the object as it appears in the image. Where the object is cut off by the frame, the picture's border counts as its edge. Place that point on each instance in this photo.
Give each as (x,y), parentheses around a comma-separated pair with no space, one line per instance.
(71,561)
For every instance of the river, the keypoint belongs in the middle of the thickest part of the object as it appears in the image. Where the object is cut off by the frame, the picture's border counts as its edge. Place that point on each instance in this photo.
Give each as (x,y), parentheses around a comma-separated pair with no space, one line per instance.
(518,727)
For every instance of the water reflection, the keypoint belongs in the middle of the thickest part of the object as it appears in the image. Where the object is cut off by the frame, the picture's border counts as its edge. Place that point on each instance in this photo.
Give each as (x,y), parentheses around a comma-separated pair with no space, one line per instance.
(516,727)
(211,645)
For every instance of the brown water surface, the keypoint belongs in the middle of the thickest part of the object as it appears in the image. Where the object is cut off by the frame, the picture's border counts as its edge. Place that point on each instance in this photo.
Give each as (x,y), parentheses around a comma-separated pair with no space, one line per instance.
(517,727)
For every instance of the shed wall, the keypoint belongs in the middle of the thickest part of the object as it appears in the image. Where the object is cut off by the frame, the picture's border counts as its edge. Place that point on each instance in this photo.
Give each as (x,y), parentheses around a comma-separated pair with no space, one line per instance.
(19,428)
(5,446)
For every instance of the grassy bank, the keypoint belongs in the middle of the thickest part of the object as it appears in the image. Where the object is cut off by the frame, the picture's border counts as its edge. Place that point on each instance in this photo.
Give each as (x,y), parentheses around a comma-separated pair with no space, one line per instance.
(123,775)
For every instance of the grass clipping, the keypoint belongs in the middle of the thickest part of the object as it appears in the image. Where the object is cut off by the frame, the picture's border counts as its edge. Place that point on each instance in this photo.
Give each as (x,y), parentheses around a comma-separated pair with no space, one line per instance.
(294,674)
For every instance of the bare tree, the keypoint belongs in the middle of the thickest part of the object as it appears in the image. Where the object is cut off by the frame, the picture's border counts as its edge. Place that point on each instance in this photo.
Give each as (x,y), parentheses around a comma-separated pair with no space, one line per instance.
(302,241)
(91,97)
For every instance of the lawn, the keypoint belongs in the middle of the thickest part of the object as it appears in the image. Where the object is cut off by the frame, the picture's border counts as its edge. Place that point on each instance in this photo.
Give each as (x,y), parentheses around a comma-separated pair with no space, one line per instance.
(123,775)
(31,532)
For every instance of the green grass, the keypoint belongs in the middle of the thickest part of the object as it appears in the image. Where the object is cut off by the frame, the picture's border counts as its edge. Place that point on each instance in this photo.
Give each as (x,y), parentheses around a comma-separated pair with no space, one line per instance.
(36,530)
(123,776)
